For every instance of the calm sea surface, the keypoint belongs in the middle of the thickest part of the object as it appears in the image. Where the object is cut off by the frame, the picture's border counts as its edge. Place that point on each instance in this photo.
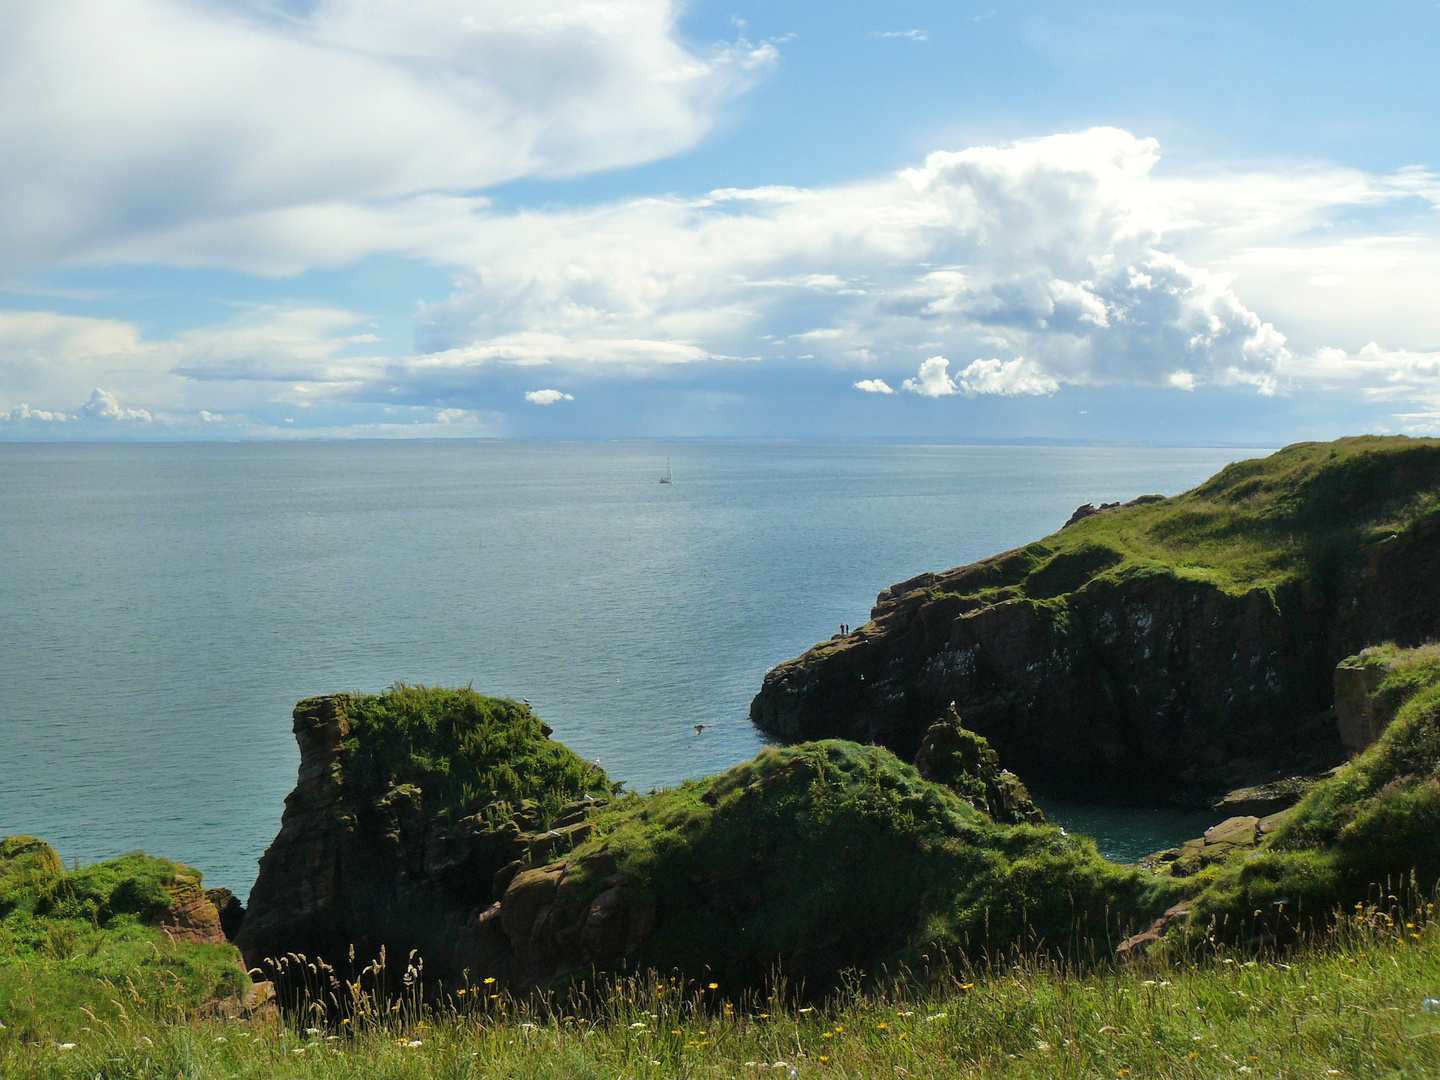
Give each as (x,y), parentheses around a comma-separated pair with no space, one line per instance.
(163,607)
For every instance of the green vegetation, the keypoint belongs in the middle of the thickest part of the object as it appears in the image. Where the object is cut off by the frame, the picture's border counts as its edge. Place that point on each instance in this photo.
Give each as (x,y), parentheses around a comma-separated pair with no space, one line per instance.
(86,939)
(462,753)
(1375,821)
(832,855)
(1255,524)
(1348,1003)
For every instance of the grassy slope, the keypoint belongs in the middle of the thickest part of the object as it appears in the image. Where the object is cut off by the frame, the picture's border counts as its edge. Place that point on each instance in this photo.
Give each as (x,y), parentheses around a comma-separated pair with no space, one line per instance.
(832,854)
(1377,821)
(1348,1005)
(1255,524)
(84,938)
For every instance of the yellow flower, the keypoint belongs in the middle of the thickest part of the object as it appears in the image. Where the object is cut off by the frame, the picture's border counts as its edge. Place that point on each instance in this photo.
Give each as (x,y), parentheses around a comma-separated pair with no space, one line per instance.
(882,1026)
(714,986)
(968,986)
(823,1059)
(764,1016)
(827,1035)
(490,980)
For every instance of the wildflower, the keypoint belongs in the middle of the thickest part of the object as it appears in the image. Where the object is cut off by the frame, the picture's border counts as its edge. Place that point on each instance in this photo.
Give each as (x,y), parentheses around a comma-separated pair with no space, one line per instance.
(714,986)
(312,1031)
(823,1059)
(414,1043)
(932,1019)
(882,1026)
(490,980)
(67,1046)
(827,1035)
(221,1038)
(967,986)
(806,1009)
(345,1021)
(638,1024)
(764,1016)
(460,993)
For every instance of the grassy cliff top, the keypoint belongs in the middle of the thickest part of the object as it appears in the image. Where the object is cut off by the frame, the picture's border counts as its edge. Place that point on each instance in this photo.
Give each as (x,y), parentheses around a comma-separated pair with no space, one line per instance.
(1255,524)
(461,753)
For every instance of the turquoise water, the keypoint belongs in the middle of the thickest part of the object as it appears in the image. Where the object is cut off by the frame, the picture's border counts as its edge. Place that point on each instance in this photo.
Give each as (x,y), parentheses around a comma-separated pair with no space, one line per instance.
(163,607)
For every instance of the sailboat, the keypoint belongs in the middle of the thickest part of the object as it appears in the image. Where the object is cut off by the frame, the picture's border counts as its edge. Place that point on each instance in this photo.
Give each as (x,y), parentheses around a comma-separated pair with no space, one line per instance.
(667,478)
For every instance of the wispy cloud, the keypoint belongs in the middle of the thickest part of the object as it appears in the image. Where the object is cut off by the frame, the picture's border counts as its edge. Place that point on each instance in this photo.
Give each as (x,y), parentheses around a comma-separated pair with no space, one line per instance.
(164,115)
(912,35)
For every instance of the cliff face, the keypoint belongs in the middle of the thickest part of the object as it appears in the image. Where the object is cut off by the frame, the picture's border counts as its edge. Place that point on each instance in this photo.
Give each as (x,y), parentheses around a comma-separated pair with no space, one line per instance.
(374,851)
(1165,647)
(811,859)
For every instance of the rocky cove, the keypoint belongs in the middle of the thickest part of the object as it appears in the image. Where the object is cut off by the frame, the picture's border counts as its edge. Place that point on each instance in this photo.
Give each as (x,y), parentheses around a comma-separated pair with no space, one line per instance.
(1255,645)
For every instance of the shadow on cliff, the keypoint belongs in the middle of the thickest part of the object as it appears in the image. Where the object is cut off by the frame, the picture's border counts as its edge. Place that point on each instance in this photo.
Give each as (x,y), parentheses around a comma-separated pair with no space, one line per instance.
(1165,650)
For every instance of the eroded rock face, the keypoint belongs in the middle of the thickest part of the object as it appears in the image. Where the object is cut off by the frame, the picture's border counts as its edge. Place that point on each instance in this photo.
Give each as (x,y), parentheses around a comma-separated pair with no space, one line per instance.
(354,870)
(1156,688)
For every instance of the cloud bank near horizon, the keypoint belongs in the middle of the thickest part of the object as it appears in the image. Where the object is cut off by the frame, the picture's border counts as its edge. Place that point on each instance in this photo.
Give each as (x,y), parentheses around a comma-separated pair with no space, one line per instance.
(1072,260)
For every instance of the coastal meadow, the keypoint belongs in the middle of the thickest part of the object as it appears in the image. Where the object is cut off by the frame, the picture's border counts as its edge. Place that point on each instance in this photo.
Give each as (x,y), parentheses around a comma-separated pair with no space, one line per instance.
(1353,1001)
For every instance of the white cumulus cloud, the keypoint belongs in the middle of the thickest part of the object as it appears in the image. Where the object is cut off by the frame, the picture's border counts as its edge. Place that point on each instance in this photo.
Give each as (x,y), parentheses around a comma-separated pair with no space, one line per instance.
(1006,377)
(105,406)
(933,379)
(874,386)
(546,397)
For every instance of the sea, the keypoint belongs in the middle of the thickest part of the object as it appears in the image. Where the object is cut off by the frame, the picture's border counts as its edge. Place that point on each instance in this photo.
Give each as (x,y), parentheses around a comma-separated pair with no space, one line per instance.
(163,606)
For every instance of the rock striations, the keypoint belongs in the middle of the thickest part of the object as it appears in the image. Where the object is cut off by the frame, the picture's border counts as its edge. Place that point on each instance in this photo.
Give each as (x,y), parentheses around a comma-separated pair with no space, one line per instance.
(1164,648)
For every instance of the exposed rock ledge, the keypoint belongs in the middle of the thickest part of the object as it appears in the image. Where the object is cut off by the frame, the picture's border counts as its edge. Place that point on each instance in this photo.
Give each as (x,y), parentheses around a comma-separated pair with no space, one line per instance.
(1168,650)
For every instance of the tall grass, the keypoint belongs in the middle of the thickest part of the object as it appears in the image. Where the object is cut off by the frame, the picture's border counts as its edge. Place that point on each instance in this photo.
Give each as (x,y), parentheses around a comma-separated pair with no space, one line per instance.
(1345,1002)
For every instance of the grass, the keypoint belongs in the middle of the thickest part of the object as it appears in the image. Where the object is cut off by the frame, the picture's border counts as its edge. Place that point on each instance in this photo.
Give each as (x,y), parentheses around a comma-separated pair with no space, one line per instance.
(85,939)
(461,753)
(1259,524)
(1378,819)
(831,855)
(1344,1003)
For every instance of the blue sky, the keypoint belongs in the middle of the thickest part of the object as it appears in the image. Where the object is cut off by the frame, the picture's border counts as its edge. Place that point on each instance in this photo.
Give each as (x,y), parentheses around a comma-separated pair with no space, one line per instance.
(1123,221)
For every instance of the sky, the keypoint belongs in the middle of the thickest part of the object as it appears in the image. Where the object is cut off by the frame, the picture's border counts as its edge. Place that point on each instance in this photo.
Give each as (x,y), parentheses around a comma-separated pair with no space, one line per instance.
(1114,222)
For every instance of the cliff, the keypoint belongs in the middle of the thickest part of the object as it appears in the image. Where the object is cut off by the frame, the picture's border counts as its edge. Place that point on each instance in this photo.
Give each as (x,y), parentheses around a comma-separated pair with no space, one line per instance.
(406,808)
(1163,649)
(808,860)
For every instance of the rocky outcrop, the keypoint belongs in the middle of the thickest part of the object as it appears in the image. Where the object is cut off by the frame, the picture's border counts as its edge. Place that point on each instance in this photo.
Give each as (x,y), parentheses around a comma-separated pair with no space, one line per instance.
(963,761)
(363,864)
(1263,800)
(192,916)
(1124,658)
(1242,833)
